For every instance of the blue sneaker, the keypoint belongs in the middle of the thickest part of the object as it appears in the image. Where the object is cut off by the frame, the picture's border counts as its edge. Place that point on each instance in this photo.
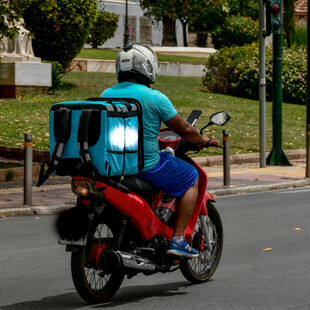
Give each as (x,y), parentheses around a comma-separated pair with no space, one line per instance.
(182,249)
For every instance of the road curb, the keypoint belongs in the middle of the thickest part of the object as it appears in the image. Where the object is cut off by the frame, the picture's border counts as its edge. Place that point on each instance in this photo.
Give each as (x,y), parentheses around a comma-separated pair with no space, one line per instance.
(36,210)
(258,188)
(56,209)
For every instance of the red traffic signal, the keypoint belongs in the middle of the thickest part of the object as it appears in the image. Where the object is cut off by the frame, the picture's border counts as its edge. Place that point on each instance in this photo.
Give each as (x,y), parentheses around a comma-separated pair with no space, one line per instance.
(275,8)
(273,17)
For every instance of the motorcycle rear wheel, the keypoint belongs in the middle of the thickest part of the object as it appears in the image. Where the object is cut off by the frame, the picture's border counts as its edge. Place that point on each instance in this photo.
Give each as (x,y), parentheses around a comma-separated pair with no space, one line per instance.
(200,269)
(93,284)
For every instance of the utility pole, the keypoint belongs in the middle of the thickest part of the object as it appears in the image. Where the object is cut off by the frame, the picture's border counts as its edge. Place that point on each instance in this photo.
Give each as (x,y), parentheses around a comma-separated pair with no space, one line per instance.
(308,99)
(126,34)
(262,85)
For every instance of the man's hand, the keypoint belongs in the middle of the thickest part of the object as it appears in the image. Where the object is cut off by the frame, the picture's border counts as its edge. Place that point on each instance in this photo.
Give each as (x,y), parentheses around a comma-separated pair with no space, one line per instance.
(203,145)
(187,131)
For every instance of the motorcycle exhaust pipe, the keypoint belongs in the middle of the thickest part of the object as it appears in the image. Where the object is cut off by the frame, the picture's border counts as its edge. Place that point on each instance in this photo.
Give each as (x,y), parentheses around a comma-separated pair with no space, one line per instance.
(130,262)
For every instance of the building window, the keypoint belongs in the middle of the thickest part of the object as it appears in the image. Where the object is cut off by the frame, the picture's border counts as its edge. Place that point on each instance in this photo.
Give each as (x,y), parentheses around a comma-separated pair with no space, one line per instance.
(145,30)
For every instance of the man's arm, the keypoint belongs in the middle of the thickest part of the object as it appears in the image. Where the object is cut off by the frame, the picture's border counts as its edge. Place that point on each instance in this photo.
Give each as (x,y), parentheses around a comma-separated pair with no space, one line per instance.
(186,130)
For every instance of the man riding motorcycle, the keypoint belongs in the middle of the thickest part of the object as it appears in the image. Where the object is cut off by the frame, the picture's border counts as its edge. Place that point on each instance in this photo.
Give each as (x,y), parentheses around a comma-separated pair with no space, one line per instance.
(136,69)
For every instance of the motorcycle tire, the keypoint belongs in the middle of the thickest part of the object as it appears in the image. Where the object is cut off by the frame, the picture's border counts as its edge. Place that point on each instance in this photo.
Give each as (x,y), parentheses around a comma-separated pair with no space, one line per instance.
(93,284)
(201,268)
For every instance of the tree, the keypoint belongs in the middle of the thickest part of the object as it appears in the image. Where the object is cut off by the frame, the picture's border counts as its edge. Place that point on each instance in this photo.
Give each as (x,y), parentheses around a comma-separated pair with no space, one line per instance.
(208,15)
(161,10)
(289,21)
(193,12)
(102,29)
(169,34)
(10,13)
(60,28)
(248,8)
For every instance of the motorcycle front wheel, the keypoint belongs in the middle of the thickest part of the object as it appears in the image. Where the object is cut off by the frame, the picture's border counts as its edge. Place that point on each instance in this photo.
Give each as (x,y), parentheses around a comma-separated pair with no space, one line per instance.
(201,268)
(92,283)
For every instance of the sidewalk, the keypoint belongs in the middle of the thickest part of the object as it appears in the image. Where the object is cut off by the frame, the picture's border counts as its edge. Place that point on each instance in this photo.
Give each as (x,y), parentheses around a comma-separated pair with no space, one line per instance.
(56,195)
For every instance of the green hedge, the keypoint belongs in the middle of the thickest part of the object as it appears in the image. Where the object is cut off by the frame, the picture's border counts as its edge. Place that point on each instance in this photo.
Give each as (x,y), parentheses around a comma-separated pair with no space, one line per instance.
(235,71)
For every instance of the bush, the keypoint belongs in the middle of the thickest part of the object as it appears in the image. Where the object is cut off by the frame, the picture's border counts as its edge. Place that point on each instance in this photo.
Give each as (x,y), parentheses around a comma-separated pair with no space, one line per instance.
(235,71)
(103,29)
(220,66)
(57,75)
(60,28)
(294,76)
(236,30)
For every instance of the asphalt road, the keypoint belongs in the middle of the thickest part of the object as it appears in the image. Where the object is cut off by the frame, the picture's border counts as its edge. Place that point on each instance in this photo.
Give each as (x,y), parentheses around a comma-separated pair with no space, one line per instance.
(35,270)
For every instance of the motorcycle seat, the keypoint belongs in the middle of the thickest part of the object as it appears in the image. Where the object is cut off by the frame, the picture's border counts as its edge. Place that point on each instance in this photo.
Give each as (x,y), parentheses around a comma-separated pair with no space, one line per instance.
(140,187)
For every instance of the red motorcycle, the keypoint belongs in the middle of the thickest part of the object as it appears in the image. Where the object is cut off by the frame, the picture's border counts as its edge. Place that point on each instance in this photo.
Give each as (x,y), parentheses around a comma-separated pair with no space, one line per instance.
(123,226)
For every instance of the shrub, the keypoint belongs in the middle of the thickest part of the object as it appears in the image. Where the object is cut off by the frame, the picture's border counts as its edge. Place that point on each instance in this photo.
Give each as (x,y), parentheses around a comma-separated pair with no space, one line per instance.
(57,75)
(60,28)
(235,71)
(294,76)
(236,30)
(220,66)
(103,29)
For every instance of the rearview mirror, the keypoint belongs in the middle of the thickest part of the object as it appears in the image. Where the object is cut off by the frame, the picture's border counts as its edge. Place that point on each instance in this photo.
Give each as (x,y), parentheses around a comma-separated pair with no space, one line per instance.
(220,118)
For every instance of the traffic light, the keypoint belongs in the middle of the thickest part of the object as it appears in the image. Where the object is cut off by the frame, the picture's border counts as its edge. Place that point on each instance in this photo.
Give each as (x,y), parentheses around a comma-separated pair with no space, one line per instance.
(273,17)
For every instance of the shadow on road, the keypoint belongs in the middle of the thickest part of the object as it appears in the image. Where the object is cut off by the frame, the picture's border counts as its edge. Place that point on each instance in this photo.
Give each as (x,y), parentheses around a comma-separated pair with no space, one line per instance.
(126,295)
(132,294)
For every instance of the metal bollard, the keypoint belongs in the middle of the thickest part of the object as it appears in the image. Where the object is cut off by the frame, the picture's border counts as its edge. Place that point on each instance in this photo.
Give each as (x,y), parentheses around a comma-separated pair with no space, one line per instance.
(226,157)
(28,170)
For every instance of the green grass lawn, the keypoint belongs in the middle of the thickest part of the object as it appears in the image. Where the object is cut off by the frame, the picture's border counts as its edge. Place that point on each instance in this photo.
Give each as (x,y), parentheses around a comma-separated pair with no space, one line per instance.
(31,114)
(110,54)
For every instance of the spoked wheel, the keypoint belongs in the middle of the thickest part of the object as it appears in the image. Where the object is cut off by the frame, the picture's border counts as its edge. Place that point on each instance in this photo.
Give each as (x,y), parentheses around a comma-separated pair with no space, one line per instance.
(200,269)
(93,284)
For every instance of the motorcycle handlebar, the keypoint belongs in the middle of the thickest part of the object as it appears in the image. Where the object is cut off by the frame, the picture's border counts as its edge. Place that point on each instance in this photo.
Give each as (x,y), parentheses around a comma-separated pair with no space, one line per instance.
(212,144)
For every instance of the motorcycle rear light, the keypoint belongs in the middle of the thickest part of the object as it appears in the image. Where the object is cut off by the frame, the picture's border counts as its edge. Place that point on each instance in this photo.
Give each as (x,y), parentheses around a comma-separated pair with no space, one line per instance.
(84,202)
(80,188)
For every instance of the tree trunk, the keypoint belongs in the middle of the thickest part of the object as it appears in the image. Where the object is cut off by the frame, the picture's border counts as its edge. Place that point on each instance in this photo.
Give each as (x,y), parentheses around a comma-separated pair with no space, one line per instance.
(289,22)
(169,35)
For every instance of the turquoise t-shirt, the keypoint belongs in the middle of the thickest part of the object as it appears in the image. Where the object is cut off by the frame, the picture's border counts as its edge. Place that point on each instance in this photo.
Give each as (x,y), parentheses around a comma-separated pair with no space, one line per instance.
(156,108)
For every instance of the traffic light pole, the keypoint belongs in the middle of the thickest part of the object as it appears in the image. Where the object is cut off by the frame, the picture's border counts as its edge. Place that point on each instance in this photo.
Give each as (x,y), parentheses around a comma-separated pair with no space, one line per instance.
(277,156)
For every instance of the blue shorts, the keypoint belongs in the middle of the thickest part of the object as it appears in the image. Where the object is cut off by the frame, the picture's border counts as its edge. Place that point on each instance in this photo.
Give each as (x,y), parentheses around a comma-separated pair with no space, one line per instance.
(171,174)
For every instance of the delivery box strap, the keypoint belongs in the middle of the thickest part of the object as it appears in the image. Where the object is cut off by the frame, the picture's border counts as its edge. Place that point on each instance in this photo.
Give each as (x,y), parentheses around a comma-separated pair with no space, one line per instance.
(61,137)
(125,101)
(83,140)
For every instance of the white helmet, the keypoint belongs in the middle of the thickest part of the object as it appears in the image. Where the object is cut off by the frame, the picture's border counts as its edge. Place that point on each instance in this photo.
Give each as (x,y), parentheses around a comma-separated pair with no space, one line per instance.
(137,61)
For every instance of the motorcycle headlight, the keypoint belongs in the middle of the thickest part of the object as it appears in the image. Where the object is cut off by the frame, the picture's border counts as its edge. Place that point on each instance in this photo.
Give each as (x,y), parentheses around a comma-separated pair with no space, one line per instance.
(81,188)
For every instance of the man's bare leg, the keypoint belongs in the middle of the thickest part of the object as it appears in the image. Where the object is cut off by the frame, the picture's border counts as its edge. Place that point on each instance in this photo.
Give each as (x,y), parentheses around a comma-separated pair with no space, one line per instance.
(184,207)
